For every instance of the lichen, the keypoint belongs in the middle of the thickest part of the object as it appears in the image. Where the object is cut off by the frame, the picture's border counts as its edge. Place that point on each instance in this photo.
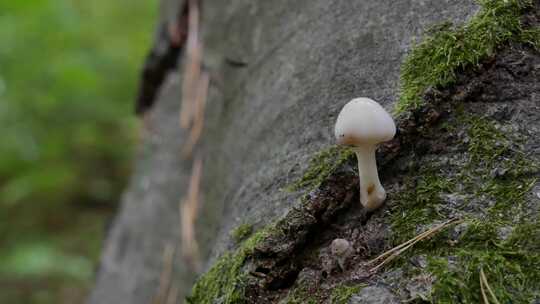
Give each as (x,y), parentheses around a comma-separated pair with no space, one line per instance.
(342,294)
(321,165)
(241,232)
(225,280)
(448,49)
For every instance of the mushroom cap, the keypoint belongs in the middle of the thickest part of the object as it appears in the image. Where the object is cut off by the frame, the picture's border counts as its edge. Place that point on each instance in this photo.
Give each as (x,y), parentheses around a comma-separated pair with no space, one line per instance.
(340,247)
(363,121)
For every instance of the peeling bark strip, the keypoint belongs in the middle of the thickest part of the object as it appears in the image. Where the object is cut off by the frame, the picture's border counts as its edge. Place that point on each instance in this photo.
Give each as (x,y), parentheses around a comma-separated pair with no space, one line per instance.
(189,207)
(196,81)
(163,57)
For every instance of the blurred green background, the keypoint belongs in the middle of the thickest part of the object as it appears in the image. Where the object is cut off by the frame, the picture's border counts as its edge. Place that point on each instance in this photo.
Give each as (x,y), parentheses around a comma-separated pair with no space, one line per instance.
(68,75)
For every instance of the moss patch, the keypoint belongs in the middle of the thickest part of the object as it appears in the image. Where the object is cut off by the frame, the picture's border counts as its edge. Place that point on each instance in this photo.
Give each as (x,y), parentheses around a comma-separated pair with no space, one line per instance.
(496,173)
(321,166)
(342,294)
(226,280)
(512,267)
(300,295)
(241,232)
(306,295)
(497,168)
(449,49)
(417,206)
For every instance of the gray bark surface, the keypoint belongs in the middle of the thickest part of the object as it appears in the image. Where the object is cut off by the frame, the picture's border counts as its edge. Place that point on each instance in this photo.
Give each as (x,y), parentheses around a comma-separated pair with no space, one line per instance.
(304,61)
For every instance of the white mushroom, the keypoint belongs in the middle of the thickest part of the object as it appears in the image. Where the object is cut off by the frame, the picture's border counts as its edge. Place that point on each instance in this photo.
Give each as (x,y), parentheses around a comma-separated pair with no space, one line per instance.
(341,250)
(362,124)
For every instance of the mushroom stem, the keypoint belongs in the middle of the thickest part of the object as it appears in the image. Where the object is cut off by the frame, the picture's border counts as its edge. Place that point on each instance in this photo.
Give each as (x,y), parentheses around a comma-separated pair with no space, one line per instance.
(372,193)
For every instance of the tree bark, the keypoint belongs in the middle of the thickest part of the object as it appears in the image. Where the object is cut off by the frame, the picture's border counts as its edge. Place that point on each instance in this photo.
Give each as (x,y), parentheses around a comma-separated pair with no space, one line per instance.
(301,61)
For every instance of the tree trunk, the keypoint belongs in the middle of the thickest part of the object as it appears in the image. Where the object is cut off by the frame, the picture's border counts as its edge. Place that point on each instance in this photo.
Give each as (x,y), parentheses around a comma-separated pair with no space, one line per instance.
(280,73)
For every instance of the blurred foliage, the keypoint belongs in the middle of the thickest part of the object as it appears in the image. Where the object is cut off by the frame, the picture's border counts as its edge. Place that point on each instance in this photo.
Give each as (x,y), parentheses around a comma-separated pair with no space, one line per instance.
(68,74)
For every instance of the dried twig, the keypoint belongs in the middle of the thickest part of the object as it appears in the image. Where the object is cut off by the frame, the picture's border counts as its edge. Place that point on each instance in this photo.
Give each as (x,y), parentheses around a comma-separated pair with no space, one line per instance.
(391,254)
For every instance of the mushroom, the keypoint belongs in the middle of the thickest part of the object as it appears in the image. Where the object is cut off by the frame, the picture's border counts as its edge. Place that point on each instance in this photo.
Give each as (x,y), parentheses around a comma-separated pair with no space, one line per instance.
(362,124)
(341,250)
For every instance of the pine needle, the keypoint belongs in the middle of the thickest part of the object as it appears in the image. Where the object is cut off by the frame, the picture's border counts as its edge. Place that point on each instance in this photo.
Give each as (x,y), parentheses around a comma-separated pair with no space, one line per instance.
(393,253)
(484,284)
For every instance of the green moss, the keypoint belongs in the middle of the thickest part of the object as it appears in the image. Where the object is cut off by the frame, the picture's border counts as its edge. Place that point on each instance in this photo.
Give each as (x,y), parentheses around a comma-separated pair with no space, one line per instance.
(489,151)
(487,143)
(526,236)
(226,280)
(223,279)
(305,295)
(512,266)
(300,295)
(448,49)
(301,299)
(493,153)
(531,37)
(241,232)
(417,205)
(321,166)
(342,294)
